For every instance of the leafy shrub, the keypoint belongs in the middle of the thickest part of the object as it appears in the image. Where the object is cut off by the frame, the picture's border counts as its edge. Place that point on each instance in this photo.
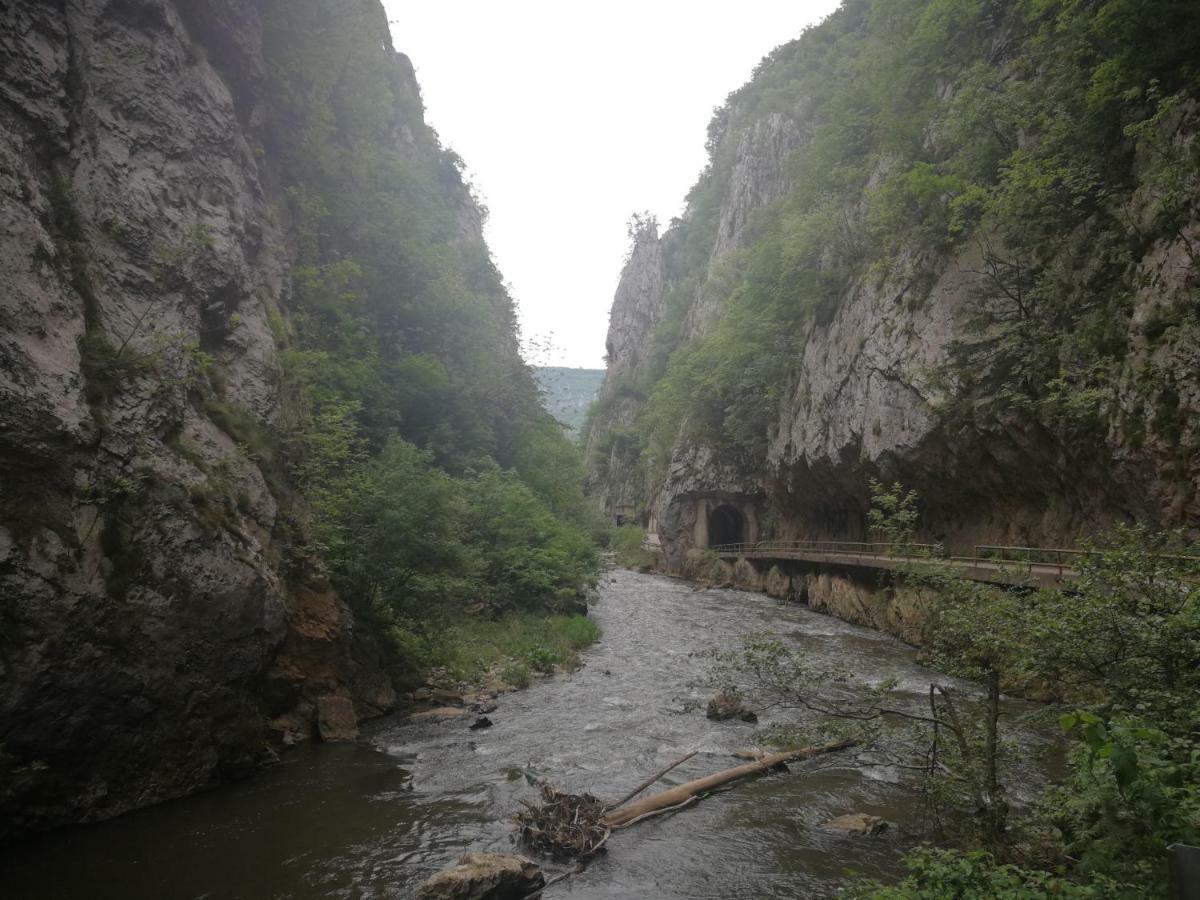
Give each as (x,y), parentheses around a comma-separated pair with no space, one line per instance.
(627,543)
(542,659)
(943,874)
(516,674)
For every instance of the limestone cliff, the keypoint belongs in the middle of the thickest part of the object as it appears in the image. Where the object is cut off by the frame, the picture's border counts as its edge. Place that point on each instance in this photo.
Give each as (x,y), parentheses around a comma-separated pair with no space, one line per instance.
(860,389)
(163,622)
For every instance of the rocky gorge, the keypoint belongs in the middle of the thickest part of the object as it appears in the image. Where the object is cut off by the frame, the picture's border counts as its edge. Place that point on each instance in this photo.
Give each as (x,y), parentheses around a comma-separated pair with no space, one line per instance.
(168,619)
(870,380)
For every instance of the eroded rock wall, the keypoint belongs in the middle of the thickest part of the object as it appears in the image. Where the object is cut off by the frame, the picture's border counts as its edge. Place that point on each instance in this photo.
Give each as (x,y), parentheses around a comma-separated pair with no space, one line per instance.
(159,630)
(863,399)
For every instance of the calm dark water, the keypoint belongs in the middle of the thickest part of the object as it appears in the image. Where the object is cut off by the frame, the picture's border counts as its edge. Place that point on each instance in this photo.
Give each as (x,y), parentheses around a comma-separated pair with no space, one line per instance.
(372,820)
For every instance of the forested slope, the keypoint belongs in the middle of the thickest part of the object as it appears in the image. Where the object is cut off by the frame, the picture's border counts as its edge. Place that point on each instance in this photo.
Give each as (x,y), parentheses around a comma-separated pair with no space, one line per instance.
(952,242)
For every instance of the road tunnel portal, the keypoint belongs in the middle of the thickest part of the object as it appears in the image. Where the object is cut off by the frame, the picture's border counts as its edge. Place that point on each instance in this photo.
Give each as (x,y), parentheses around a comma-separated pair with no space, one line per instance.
(726,525)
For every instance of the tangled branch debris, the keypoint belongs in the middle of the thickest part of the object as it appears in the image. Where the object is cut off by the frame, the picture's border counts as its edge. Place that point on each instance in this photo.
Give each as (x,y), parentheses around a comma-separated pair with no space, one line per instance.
(577,825)
(570,825)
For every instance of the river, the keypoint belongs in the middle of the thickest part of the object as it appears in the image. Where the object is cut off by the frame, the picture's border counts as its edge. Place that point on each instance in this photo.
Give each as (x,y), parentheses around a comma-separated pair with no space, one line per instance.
(372,819)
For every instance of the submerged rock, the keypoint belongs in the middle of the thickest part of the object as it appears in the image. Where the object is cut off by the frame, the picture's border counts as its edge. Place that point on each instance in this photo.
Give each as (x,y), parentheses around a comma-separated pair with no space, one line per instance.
(730,706)
(485,876)
(336,720)
(440,712)
(857,823)
(481,722)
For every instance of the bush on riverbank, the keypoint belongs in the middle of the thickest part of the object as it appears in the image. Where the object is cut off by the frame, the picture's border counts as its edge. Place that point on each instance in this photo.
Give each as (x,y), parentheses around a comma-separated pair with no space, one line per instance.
(471,647)
(1123,645)
(626,542)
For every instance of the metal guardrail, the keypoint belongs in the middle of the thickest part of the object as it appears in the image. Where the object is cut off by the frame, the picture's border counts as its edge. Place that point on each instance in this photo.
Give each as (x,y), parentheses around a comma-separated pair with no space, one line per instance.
(1056,555)
(875,551)
(1040,555)
(860,548)
(1039,561)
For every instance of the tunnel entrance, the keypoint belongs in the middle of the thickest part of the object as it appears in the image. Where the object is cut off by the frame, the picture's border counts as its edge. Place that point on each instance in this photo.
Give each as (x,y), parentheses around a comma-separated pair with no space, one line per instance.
(726,525)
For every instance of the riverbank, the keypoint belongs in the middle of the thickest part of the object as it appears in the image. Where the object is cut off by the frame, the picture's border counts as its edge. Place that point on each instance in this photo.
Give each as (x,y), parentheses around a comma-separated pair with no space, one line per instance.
(375,818)
(468,664)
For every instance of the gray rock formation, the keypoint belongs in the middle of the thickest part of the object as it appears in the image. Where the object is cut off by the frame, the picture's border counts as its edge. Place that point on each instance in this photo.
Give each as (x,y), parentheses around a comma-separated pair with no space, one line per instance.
(160,625)
(860,400)
(485,876)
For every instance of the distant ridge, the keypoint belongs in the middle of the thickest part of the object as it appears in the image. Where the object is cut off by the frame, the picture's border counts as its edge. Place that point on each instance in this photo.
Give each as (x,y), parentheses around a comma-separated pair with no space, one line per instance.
(567,393)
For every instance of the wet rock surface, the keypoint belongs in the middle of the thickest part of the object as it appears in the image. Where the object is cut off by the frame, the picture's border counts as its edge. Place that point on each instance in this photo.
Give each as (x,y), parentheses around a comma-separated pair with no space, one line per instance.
(729,706)
(858,823)
(485,876)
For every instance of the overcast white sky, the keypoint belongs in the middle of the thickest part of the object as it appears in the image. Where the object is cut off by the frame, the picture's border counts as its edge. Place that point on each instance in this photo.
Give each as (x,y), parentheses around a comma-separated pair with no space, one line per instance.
(572,116)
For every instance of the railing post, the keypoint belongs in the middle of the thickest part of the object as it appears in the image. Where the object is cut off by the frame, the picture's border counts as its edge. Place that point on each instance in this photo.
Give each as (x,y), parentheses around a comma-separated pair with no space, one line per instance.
(1184,869)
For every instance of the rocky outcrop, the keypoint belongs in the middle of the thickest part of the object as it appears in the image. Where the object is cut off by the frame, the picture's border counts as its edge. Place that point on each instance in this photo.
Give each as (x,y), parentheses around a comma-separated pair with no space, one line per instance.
(729,706)
(162,624)
(857,823)
(485,876)
(862,396)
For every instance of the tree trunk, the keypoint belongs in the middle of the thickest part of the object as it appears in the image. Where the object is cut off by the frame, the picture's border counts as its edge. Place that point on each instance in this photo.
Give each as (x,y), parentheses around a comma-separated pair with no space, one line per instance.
(997,811)
(676,796)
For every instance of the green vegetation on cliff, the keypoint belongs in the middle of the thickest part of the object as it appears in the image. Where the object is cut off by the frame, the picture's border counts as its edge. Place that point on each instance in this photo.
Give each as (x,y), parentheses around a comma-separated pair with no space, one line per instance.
(437,480)
(1050,142)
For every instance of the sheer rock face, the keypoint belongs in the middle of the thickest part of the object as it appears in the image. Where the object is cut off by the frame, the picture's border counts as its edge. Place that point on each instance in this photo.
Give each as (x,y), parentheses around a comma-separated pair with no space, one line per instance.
(759,178)
(860,401)
(147,631)
(639,303)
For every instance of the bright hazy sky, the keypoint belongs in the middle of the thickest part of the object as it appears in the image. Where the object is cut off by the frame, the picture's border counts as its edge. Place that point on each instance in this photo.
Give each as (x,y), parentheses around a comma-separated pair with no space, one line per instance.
(572,116)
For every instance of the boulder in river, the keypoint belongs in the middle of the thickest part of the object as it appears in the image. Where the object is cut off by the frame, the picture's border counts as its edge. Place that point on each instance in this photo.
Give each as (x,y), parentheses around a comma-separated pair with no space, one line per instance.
(336,720)
(481,722)
(440,712)
(730,706)
(857,823)
(485,876)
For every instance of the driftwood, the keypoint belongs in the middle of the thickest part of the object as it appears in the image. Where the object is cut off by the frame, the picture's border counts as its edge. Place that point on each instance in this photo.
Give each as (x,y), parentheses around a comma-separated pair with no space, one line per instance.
(578,825)
(685,794)
(649,781)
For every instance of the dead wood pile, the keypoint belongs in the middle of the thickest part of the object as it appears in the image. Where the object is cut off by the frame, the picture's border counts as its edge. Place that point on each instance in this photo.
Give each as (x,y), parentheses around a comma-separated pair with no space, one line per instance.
(564,824)
(577,825)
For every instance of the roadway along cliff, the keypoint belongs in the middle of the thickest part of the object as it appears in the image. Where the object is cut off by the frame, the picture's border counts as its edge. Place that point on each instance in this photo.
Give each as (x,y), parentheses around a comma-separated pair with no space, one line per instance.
(1005,319)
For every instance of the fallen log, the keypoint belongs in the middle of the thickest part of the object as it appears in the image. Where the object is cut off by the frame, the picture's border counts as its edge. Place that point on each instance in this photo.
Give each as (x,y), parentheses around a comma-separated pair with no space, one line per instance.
(673,798)
(649,781)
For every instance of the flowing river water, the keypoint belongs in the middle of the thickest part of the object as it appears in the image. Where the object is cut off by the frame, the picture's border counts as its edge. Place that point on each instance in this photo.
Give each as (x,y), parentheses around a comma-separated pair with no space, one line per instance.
(373,819)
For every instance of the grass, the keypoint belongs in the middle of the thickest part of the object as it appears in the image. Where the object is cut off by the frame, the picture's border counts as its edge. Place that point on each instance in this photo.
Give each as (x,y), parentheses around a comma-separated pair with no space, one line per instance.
(518,642)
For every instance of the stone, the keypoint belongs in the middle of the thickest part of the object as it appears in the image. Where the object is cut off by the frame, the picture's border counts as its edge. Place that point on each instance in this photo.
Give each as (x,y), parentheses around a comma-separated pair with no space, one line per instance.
(336,720)
(485,876)
(857,823)
(730,706)
(481,722)
(422,695)
(446,696)
(438,713)
(486,706)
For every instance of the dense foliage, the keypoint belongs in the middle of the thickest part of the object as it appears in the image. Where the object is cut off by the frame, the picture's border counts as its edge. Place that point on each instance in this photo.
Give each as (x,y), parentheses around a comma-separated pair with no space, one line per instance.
(1117,653)
(413,427)
(1120,651)
(1048,143)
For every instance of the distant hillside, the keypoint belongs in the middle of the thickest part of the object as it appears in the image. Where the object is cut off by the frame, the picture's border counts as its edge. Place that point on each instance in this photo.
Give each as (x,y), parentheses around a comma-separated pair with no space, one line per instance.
(567,393)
